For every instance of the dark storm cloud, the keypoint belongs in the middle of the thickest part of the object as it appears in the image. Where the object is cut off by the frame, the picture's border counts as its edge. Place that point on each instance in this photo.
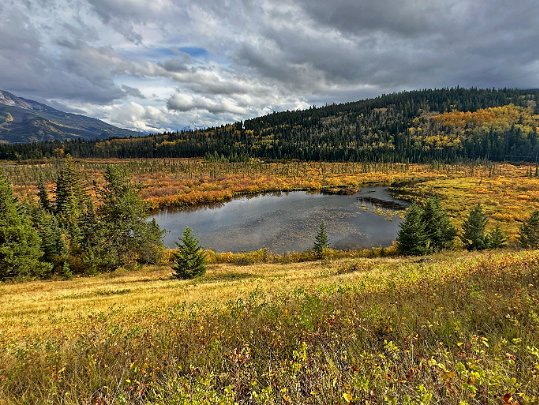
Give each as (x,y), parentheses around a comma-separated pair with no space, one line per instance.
(124,15)
(402,18)
(66,69)
(395,44)
(172,63)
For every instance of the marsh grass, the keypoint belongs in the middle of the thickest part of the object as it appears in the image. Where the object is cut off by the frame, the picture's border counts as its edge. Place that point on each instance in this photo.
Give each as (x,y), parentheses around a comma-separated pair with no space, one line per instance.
(451,328)
(506,191)
(264,256)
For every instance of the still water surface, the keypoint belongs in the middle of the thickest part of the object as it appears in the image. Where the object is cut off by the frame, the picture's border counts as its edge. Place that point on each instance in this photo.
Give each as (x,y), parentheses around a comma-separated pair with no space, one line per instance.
(287,221)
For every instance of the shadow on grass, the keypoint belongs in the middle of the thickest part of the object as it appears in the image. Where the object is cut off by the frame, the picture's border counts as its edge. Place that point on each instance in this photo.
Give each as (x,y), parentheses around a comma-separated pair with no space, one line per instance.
(215,278)
(93,294)
(142,280)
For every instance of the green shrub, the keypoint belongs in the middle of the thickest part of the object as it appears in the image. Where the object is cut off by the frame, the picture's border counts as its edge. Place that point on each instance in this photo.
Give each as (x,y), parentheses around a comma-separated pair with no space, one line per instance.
(189,261)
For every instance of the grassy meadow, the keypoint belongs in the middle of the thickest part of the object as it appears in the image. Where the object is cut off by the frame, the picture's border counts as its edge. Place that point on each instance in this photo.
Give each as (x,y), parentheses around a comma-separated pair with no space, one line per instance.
(454,327)
(457,327)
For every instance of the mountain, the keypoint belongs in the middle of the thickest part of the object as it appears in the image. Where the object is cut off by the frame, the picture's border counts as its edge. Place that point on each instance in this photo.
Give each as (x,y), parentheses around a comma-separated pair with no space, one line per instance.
(451,124)
(23,120)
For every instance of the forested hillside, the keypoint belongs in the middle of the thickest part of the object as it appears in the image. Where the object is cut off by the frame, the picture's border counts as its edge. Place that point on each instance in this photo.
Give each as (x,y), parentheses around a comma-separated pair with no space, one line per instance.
(425,125)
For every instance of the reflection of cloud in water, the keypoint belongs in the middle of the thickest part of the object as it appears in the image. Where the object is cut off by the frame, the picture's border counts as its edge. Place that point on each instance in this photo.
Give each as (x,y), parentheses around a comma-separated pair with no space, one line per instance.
(285,223)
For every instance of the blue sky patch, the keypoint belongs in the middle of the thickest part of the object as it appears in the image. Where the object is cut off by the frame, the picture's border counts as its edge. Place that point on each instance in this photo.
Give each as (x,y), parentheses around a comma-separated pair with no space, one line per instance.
(194,51)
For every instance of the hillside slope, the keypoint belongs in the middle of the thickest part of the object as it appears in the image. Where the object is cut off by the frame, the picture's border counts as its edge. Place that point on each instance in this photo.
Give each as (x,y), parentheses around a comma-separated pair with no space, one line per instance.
(450,328)
(23,120)
(419,126)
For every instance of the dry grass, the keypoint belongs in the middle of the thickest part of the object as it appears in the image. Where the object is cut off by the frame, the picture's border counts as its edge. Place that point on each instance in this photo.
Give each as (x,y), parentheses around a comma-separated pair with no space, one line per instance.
(508,199)
(456,327)
(41,308)
(181,182)
(507,192)
(451,328)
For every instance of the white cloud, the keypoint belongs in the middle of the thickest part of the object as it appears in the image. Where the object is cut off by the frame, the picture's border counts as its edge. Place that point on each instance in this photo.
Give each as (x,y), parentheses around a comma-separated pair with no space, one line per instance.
(187,102)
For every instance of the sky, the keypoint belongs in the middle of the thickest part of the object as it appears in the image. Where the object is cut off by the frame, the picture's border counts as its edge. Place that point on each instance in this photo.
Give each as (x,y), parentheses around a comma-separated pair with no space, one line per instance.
(153,65)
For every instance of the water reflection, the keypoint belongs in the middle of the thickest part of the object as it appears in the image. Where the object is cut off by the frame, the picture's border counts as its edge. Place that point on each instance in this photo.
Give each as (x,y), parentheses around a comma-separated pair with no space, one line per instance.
(289,221)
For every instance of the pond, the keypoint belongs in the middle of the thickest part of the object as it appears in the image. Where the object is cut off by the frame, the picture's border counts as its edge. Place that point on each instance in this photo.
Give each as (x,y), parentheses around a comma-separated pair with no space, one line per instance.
(289,221)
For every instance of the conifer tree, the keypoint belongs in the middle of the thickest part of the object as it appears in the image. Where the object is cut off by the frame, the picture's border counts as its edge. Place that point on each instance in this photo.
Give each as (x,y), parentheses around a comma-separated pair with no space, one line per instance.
(321,242)
(70,205)
(124,236)
(473,229)
(189,260)
(412,238)
(43,194)
(438,227)
(69,191)
(50,233)
(497,239)
(529,232)
(66,270)
(20,246)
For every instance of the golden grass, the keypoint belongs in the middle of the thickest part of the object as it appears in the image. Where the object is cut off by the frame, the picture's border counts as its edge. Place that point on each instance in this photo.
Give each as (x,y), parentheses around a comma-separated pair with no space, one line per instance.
(446,328)
(506,191)
(508,199)
(44,308)
(180,182)
(454,327)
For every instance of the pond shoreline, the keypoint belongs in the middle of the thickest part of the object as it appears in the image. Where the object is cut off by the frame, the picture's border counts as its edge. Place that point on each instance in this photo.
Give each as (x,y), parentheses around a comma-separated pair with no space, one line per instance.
(287,221)
(394,188)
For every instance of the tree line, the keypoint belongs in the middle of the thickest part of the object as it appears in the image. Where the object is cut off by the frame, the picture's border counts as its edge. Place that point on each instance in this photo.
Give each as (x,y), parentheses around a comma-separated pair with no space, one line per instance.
(67,234)
(427,229)
(390,128)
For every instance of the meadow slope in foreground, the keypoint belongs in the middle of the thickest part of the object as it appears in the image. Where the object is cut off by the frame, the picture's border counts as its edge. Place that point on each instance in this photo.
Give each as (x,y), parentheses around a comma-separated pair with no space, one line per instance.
(452,328)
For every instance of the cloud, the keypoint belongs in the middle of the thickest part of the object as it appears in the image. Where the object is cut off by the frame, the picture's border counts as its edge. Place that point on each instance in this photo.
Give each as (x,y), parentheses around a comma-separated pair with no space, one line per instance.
(169,64)
(34,65)
(132,91)
(187,102)
(142,118)
(402,18)
(128,16)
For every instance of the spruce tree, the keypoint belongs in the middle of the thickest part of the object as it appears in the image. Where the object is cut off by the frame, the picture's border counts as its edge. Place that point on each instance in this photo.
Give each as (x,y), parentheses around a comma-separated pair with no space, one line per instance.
(189,260)
(473,229)
(69,190)
(529,232)
(124,236)
(70,205)
(43,194)
(438,227)
(51,235)
(412,238)
(66,270)
(321,242)
(20,246)
(497,239)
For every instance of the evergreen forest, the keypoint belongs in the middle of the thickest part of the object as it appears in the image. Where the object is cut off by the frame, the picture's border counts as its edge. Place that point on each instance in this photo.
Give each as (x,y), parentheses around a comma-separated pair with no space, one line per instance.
(447,125)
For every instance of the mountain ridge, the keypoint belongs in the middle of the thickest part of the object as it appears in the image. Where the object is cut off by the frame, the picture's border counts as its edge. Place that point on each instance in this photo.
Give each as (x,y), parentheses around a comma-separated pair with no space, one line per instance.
(23,120)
